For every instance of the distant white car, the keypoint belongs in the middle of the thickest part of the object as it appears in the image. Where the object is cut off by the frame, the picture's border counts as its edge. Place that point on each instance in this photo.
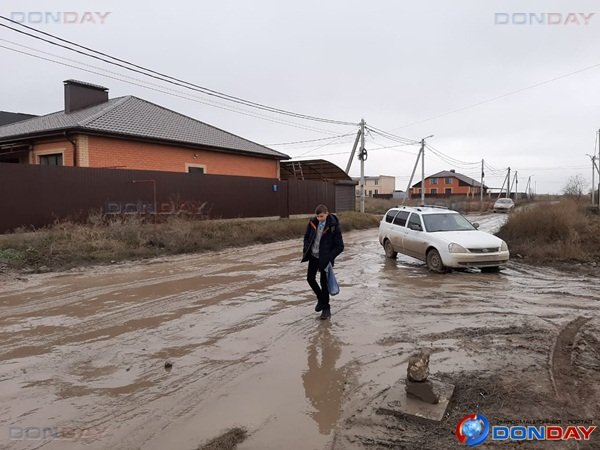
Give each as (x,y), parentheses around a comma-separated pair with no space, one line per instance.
(442,238)
(504,205)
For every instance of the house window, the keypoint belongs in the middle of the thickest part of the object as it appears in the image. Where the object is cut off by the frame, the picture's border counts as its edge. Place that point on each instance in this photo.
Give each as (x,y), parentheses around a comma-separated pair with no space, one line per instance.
(448,180)
(370,193)
(433,180)
(376,181)
(434,191)
(448,190)
(375,191)
(55,159)
(195,168)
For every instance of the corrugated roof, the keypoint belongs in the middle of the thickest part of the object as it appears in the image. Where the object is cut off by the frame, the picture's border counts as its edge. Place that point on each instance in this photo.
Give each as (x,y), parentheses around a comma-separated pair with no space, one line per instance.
(135,117)
(312,169)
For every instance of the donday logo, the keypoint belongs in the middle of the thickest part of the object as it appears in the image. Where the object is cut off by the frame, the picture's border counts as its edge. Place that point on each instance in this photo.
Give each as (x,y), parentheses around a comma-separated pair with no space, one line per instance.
(472,430)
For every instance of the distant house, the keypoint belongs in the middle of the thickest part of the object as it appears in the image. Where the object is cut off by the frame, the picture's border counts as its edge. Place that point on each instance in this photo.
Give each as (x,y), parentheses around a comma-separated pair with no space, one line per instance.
(382,184)
(7,118)
(399,194)
(448,183)
(131,133)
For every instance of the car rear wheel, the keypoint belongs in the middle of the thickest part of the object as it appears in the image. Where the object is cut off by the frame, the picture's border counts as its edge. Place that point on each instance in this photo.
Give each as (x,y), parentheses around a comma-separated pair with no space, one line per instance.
(389,250)
(434,261)
(493,269)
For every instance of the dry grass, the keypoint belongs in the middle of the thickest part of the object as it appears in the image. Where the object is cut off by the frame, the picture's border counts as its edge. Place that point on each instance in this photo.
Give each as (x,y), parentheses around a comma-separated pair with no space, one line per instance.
(461,204)
(553,232)
(66,245)
(227,441)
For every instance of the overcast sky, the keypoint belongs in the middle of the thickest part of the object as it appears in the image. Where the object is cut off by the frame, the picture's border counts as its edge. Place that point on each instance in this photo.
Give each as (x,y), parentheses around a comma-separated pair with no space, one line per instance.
(394,63)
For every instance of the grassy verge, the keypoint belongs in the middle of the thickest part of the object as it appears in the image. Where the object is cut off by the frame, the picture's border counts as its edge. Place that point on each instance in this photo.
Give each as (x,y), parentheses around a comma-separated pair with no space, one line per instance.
(461,204)
(68,245)
(553,232)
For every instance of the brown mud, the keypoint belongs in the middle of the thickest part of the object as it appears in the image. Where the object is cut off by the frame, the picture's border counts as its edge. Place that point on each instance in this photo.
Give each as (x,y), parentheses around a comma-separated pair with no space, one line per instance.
(83,353)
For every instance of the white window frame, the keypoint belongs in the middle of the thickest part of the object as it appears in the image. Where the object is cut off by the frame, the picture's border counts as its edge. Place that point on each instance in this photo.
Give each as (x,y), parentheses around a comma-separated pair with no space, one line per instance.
(57,151)
(202,166)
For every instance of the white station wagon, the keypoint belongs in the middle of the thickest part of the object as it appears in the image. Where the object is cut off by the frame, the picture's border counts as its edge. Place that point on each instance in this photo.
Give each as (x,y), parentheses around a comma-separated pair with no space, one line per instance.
(442,238)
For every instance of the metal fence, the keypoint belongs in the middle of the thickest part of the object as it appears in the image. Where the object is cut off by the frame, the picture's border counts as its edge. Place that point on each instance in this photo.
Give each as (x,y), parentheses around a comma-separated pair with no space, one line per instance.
(35,196)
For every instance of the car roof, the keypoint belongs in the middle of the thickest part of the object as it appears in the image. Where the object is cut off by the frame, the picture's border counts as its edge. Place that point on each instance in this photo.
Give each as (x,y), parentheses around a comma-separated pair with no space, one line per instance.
(427,209)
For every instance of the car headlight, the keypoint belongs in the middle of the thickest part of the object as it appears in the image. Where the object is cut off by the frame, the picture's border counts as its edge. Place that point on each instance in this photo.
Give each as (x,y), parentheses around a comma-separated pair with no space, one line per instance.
(456,248)
(504,247)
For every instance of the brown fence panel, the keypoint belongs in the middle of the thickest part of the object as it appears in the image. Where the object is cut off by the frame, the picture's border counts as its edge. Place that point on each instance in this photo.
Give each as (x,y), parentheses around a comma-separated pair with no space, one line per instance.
(35,196)
(305,195)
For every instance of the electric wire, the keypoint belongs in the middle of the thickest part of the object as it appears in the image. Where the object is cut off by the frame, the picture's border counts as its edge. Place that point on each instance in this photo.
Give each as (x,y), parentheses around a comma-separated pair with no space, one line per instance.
(166,90)
(501,96)
(391,137)
(161,76)
(313,140)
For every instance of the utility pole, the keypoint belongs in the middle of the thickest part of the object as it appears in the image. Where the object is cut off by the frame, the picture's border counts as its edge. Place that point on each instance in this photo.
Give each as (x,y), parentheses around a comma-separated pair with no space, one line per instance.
(423,172)
(423,169)
(508,184)
(481,187)
(411,177)
(353,152)
(362,155)
(516,183)
(593,158)
(528,188)
(502,188)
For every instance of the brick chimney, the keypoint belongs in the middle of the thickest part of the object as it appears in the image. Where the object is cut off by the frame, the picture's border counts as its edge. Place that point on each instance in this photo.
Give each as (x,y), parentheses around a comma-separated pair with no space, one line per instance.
(79,95)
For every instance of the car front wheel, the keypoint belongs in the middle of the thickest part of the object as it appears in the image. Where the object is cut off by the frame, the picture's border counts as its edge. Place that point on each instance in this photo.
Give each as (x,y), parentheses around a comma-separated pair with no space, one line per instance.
(389,250)
(434,261)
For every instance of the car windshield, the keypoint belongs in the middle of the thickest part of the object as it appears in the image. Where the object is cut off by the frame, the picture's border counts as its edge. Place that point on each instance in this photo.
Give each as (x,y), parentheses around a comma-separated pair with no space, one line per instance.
(446,222)
(504,200)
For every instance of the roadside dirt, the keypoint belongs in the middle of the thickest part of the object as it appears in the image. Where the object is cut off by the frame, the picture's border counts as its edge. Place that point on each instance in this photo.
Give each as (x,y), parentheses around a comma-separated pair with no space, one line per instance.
(83,353)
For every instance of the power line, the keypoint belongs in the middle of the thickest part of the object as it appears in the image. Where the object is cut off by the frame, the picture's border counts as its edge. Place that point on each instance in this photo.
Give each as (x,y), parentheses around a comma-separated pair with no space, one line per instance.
(450,160)
(164,90)
(498,97)
(313,140)
(390,136)
(324,145)
(163,77)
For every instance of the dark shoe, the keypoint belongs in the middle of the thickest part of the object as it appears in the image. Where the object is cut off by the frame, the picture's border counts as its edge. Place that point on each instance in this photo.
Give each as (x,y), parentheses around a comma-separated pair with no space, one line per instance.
(325,314)
(319,307)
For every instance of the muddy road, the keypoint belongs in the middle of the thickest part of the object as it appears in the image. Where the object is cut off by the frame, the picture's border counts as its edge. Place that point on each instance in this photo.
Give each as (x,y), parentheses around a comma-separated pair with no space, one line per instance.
(82,354)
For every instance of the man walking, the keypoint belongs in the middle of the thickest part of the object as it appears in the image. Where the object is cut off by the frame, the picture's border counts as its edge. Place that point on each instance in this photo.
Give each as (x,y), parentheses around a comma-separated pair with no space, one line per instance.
(322,244)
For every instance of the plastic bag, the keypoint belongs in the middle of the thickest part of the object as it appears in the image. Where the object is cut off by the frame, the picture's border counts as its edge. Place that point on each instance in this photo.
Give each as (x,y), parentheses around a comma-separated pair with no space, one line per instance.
(332,284)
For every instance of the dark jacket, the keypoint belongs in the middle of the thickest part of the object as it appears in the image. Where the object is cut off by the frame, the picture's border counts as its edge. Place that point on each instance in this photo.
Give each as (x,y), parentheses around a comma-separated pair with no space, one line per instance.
(331,244)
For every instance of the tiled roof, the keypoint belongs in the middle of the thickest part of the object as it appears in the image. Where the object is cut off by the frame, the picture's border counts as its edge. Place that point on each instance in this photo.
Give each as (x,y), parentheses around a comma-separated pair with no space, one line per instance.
(10,117)
(448,174)
(134,117)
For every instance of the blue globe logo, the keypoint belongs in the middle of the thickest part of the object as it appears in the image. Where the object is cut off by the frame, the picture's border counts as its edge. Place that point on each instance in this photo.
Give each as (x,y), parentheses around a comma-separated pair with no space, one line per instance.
(472,430)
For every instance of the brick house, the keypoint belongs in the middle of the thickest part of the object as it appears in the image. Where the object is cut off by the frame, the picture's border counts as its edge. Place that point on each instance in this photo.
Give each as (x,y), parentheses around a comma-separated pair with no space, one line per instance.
(131,133)
(448,183)
(382,184)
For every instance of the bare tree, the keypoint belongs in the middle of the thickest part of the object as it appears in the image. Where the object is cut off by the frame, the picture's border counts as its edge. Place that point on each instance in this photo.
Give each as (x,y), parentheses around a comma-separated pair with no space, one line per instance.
(575,186)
